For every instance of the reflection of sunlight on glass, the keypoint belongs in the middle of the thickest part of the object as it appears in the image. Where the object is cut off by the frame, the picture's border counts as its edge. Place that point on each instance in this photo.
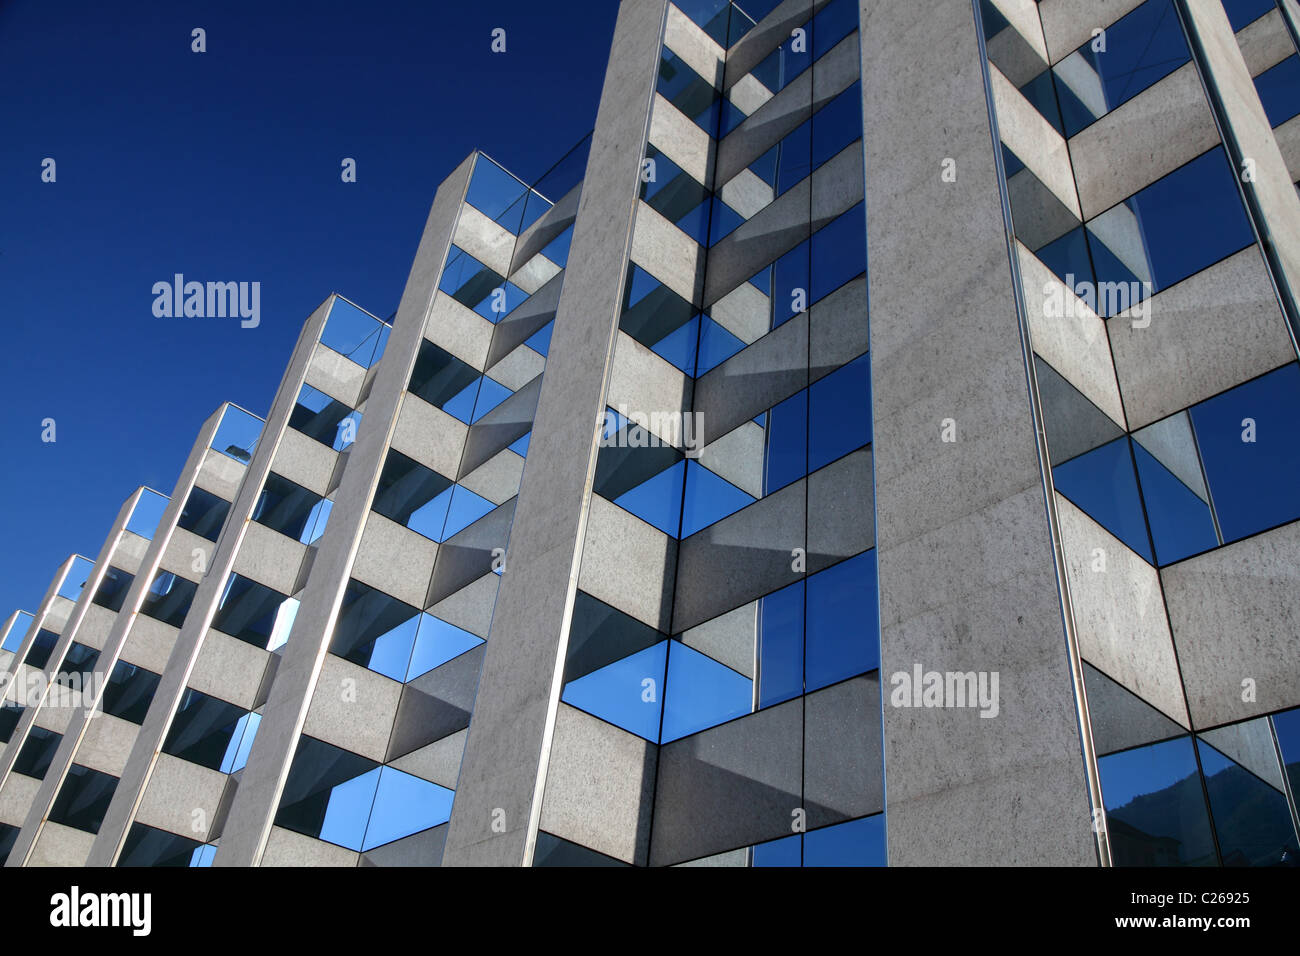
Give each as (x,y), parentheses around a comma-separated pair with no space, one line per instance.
(17,631)
(203,855)
(316,521)
(241,742)
(75,579)
(237,433)
(283,623)
(147,513)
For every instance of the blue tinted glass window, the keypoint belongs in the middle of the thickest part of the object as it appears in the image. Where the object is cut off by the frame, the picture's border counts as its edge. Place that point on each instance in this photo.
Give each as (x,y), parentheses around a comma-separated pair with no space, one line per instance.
(38,655)
(1173,228)
(1286,726)
(708,498)
(787,851)
(83,799)
(412,495)
(1181,524)
(8,836)
(325,419)
(716,345)
(328,793)
(1103,484)
(627,692)
(375,630)
(843,634)
(9,716)
(354,334)
(676,196)
(436,643)
(37,752)
(856,843)
(146,514)
(168,598)
(780,645)
(790,283)
(1279,90)
(291,509)
(658,499)
(76,578)
(439,376)
(837,124)
(492,190)
(128,692)
(832,24)
(237,434)
(112,588)
(688,91)
(701,693)
(1242,13)
(467,280)
(1247,438)
(204,729)
(251,612)
(1140,48)
(17,631)
(204,513)
(1251,818)
(78,666)
(476,399)
(404,804)
(785,459)
(839,253)
(840,412)
(1155,808)
(149,846)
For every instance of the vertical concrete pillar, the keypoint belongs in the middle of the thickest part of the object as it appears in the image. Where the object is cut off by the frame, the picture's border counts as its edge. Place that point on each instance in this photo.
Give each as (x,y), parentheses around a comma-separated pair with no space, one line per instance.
(253,809)
(498,795)
(966,567)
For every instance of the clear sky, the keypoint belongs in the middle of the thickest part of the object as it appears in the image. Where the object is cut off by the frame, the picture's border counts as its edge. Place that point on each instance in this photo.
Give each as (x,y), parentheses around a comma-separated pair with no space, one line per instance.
(225,166)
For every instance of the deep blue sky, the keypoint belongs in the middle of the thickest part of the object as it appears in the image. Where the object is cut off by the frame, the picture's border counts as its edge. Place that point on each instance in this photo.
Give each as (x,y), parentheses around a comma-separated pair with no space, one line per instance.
(225,166)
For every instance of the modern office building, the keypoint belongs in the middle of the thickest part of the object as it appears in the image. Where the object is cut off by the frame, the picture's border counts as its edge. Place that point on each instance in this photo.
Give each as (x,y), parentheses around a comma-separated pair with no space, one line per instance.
(876,442)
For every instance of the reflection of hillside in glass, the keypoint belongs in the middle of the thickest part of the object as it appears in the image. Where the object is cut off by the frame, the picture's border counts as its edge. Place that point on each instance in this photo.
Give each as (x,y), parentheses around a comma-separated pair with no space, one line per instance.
(1157,816)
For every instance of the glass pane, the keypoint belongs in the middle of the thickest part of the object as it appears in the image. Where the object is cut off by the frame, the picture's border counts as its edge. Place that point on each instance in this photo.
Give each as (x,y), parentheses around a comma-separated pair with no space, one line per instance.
(237,433)
(83,799)
(168,598)
(146,514)
(1247,438)
(112,588)
(204,513)
(250,611)
(204,729)
(1155,808)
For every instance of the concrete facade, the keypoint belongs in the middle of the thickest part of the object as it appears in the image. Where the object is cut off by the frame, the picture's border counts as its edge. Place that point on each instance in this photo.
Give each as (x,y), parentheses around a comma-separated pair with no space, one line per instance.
(638,534)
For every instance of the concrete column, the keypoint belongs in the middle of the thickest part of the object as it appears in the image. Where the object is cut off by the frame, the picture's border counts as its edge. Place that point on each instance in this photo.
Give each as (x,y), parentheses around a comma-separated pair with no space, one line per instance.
(253,809)
(497,807)
(966,566)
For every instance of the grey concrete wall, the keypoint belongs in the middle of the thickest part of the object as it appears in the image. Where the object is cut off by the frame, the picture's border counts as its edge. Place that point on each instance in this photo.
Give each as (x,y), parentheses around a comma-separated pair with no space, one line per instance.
(247,829)
(966,567)
(518,698)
